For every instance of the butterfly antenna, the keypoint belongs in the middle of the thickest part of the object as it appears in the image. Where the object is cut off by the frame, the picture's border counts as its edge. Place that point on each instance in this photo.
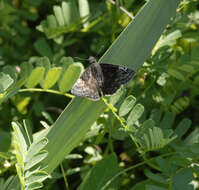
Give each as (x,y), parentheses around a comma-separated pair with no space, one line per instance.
(81,59)
(91,59)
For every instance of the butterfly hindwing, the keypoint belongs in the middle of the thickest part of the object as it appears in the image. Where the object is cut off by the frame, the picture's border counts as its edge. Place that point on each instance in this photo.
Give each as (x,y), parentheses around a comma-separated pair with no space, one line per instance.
(114,77)
(87,85)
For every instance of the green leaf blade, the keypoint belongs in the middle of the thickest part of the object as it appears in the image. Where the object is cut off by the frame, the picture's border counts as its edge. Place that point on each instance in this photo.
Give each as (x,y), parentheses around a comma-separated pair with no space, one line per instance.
(35,77)
(127,105)
(6,82)
(135,114)
(51,77)
(70,76)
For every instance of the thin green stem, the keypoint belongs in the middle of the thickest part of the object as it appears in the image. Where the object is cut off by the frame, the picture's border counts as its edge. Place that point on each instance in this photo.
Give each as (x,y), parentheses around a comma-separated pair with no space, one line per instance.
(122,8)
(64,175)
(150,163)
(110,144)
(112,108)
(46,90)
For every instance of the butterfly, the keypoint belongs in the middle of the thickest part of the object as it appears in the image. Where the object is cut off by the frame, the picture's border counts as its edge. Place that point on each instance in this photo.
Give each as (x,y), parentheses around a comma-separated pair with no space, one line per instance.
(101,79)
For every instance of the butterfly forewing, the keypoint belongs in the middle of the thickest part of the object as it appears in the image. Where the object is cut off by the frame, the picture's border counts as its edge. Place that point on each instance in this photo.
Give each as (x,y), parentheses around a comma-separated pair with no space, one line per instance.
(114,77)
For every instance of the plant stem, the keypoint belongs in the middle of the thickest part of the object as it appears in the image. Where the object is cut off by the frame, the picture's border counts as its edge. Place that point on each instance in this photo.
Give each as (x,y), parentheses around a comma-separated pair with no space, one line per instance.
(112,108)
(122,8)
(46,90)
(64,175)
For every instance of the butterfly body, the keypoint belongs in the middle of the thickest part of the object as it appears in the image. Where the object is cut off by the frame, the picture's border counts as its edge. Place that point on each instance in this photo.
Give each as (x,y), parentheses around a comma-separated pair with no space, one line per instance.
(100,79)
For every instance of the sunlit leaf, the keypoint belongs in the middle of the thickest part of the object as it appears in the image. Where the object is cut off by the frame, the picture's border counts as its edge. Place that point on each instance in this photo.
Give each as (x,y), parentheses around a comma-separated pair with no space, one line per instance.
(51,77)
(6,82)
(135,114)
(70,76)
(127,105)
(35,77)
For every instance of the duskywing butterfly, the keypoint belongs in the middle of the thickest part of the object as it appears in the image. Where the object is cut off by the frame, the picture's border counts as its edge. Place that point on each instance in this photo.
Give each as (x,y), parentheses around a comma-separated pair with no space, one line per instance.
(101,79)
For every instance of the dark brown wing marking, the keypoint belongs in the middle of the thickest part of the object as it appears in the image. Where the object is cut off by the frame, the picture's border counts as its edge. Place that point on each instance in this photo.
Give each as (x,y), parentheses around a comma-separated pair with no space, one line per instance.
(87,85)
(114,77)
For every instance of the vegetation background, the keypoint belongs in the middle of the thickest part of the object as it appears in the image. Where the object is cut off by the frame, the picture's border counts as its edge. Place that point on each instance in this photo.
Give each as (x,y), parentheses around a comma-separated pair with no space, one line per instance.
(147,137)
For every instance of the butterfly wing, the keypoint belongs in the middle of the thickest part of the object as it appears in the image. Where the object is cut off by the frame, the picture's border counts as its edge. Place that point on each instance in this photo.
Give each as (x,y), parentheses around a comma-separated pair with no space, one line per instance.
(88,83)
(105,78)
(114,77)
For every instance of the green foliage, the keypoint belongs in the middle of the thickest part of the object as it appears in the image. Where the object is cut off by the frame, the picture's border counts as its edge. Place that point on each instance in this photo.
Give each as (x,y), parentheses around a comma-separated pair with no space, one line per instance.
(66,18)
(11,183)
(6,82)
(103,170)
(70,76)
(42,74)
(144,137)
(29,155)
(52,77)
(127,105)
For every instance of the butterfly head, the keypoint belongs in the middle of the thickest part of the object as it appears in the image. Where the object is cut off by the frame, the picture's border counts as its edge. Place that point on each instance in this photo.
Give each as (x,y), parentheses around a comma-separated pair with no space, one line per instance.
(92,60)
